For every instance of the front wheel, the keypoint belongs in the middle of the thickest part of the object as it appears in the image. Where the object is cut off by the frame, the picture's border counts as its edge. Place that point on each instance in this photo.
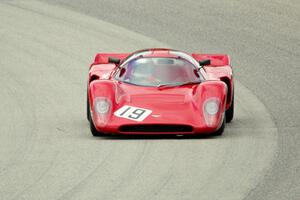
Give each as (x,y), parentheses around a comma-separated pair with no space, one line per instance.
(230,111)
(221,129)
(87,108)
(93,129)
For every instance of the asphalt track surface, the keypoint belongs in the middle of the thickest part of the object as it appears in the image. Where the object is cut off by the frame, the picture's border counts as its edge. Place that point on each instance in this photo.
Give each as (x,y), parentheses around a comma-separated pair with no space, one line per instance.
(47,151)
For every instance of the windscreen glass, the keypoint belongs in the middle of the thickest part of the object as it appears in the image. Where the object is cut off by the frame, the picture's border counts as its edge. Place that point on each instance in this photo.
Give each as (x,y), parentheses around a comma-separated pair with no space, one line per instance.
(157,71)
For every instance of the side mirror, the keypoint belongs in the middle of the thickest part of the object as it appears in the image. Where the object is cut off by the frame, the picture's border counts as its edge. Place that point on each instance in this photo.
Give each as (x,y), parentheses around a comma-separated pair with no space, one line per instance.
(114,60)
(204,62)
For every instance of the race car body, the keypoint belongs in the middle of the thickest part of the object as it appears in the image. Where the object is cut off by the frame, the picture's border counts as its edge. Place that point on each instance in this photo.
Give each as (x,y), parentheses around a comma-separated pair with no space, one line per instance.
(159,91)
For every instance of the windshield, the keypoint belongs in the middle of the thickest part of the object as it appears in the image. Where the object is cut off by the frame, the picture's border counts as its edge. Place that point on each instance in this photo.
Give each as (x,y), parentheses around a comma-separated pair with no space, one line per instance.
(153,71)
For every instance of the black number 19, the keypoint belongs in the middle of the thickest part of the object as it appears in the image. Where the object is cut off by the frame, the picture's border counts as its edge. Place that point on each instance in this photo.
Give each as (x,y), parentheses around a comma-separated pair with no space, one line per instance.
(125,111)
(137,113)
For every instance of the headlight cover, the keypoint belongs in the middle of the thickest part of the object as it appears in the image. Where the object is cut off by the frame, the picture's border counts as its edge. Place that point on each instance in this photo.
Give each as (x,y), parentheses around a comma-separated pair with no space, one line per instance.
(212,106)
(102,105)
(102,108)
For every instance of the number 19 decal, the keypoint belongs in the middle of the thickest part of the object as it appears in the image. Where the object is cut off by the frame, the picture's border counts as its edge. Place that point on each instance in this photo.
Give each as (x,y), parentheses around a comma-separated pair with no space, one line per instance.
(133,113)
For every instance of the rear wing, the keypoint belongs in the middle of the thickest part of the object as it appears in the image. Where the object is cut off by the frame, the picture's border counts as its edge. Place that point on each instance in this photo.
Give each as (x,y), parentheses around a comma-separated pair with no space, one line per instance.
(215,59)
(102,58)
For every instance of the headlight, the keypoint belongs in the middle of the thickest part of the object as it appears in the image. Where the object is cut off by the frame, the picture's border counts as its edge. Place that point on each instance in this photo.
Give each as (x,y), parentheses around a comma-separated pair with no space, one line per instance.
(212,107)
(102,105)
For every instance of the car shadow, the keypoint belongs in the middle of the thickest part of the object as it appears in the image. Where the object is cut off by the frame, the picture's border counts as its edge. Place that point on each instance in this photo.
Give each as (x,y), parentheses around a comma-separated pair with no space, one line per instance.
(155,137)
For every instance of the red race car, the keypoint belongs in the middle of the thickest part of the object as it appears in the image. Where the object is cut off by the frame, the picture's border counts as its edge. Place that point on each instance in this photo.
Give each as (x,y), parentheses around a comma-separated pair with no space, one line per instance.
(160,91)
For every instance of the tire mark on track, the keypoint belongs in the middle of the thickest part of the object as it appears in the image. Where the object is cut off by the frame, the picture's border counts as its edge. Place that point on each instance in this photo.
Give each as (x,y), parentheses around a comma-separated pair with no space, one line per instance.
(134,170)
(37,180)
(159,187)
(88,176)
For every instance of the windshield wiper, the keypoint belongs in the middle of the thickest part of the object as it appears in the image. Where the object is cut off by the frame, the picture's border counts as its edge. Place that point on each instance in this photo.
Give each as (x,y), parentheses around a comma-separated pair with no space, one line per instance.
(162,86)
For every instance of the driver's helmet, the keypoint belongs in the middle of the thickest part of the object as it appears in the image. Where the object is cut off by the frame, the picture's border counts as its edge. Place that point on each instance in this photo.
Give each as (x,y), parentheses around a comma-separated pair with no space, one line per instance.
(169,71)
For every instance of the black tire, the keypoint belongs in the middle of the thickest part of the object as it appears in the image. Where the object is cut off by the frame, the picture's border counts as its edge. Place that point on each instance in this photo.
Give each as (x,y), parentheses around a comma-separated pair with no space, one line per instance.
(88,108)
(221,129)
(230,111)
(93,129)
